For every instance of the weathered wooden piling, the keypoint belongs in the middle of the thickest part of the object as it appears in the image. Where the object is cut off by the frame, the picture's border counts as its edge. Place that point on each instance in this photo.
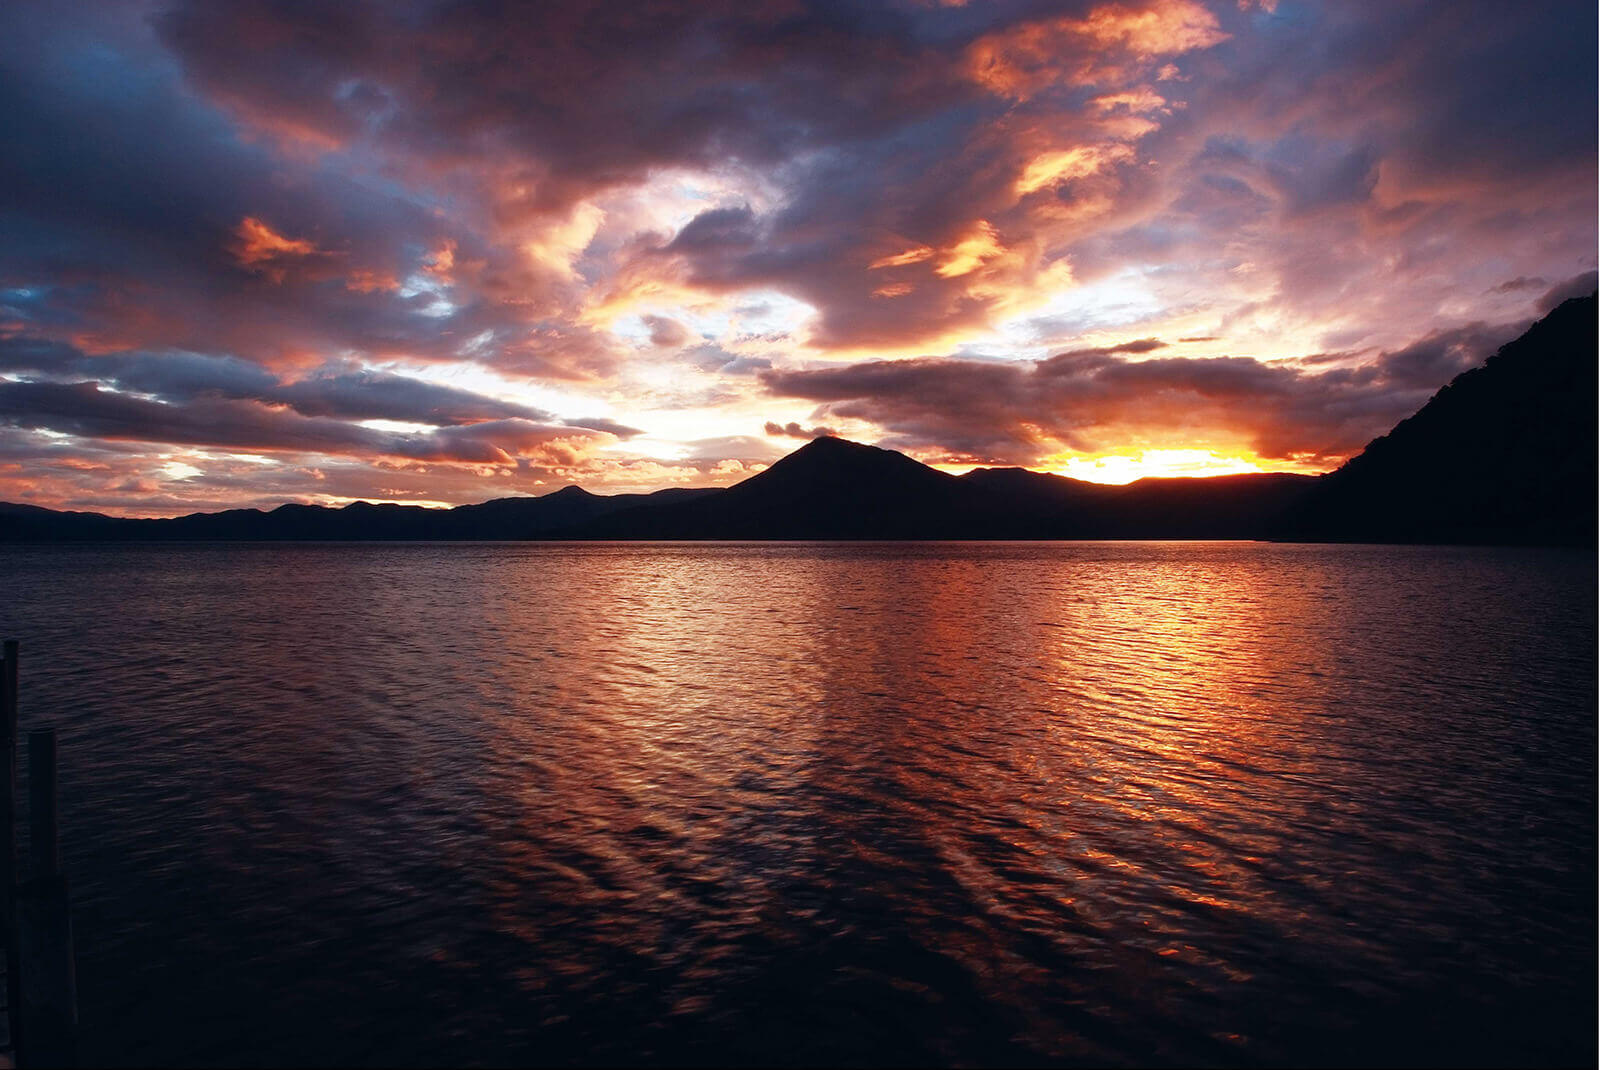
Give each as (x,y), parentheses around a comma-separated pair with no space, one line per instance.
(44,824)
(47,986)
(41,983)
(8,834)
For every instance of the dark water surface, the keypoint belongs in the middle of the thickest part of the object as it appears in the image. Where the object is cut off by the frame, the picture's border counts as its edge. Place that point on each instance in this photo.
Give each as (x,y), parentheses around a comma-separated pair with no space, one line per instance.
(1017,803)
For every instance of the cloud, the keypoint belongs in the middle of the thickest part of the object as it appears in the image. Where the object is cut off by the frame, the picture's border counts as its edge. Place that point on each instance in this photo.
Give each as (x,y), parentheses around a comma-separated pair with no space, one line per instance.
(1036,55)
(794,430)
(1578,286)
(1434,360)
(116,477)
(350,393)
(1096,399)
(1137,345)
(1521,282)
(296,213)
(260,249)
(667,333)
(87,410)
(209,239)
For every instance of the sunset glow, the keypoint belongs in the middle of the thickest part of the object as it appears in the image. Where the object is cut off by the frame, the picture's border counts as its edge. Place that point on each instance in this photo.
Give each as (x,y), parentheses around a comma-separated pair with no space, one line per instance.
(431,254)
(1117,468)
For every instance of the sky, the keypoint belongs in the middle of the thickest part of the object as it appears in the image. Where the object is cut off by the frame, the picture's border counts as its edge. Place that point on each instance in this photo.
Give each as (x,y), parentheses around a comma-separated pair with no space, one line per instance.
(261,252)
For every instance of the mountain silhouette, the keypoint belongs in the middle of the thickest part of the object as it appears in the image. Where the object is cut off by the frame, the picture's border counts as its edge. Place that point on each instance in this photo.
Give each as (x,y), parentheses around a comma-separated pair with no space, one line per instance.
(501,518)
(1506,453)
(829,488)
(835,489)
(1215,507)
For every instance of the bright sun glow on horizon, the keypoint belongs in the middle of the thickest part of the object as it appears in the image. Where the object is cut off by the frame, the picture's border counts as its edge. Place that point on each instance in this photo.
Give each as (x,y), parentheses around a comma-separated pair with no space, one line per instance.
(1147,464)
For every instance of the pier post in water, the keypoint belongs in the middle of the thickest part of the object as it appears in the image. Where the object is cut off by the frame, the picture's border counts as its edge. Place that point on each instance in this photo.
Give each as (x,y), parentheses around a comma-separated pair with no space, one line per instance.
(44,823)
(8,833)
(48,984)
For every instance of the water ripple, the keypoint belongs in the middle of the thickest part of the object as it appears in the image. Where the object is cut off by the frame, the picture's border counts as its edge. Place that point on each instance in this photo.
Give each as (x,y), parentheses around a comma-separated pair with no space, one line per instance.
(961,803)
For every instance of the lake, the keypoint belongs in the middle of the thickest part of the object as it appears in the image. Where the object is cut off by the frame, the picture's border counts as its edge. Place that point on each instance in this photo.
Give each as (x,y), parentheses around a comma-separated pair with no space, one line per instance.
(1022,803)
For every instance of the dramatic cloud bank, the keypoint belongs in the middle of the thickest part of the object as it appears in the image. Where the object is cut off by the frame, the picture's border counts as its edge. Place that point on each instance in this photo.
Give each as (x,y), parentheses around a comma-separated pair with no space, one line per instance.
(261,251)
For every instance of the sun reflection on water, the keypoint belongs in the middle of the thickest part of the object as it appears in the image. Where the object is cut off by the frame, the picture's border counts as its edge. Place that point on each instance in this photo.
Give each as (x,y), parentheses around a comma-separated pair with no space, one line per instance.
(992,803)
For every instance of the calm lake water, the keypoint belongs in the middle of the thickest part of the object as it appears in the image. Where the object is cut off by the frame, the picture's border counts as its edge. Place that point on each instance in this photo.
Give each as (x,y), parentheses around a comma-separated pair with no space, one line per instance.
(971,803)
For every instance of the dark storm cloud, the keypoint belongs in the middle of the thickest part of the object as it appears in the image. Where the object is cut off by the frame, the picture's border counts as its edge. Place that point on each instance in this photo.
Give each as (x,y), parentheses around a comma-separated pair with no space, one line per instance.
(350,395)
(1438,358)
(86,410)
(856,110)
(186,398)
(1472,88)
(159,223)
(1021,412)
(366,395)
(1578,286)
(564,98)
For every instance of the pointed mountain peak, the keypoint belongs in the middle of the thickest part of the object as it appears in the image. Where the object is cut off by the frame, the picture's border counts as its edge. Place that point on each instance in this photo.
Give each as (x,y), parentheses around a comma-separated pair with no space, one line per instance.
(840,460)
(572,492)
(833,451)
(847,467)
(824,445)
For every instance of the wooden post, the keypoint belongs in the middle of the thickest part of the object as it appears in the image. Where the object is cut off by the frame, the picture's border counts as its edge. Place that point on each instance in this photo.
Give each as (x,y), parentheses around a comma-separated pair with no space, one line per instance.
(44,824)
(48,989)
(9,880)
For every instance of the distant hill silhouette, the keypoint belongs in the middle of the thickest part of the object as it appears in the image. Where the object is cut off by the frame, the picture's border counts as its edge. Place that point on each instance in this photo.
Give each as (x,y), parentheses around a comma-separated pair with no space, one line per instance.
(835,489)
(1505,453)
(1215,507)
(828,489)
(502,518)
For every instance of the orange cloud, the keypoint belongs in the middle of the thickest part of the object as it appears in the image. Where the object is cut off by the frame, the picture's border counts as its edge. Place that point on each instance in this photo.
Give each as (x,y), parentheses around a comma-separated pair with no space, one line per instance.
(259,242)
(910,256)
(366,282)
(981,245)
(1138,100)
(442,262)
(263,250)
(1053,168)
(1160,30)
(1021,61)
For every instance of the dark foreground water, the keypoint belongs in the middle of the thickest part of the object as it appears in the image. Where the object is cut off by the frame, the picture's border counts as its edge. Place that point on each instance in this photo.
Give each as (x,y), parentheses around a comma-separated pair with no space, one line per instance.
(1021,803)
